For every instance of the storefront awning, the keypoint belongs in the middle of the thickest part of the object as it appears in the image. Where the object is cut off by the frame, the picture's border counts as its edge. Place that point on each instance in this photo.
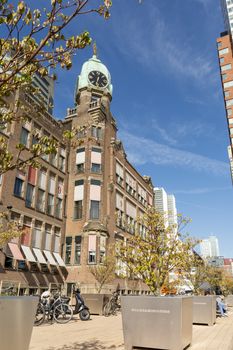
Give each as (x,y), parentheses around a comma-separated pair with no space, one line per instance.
(50,258)
(40,257)
(15,251)
(59,259)
(28,253)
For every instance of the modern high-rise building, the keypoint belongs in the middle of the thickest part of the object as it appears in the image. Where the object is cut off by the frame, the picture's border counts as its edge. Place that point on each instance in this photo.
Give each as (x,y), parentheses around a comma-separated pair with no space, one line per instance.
(205,248)
(44,94)
(166,204)
(227,11)
(209,247)
(214,245)
(172,211)
(225,54)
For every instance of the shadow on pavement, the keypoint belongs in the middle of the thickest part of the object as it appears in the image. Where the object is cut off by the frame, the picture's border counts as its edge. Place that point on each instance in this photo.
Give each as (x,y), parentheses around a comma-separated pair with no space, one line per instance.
(89,345)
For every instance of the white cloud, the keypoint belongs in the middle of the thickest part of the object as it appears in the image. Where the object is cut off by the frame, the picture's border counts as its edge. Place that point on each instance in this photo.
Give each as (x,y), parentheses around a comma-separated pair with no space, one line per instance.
(155,44)
(202,190)
(145,151)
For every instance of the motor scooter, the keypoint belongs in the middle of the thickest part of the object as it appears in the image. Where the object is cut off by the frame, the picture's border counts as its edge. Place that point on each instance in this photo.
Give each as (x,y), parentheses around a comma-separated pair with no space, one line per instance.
(80,307)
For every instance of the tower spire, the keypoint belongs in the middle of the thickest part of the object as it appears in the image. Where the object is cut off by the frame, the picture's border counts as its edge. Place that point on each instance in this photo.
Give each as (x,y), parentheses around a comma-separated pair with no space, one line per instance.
(95,49)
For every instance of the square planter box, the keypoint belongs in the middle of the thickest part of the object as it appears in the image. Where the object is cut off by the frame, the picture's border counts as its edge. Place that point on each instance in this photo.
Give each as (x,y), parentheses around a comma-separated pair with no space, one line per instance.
(96,302)
(17,315)
(157,322)
(204,310)
(229,300)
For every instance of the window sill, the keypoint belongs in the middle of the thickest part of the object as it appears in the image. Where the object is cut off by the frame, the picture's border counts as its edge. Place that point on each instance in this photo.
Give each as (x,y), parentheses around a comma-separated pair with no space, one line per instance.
(17,196)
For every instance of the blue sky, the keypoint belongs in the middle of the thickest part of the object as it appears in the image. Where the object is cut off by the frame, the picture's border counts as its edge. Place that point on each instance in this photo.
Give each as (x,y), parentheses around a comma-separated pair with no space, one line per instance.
(167,101)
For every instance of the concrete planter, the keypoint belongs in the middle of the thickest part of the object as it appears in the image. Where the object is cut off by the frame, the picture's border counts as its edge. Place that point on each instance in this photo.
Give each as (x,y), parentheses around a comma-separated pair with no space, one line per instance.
(96,302)
(229,300)
(157,322)
(17,315)
(204,310)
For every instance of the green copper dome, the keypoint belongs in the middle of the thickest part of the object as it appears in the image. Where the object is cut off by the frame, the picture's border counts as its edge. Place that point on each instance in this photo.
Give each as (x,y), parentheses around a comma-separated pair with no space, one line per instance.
(94,74)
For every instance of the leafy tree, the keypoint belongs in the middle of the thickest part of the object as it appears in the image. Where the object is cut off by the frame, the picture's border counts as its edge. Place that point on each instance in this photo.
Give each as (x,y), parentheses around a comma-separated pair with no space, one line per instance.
(162,251)
(9,229)
(105,272)
(35,41)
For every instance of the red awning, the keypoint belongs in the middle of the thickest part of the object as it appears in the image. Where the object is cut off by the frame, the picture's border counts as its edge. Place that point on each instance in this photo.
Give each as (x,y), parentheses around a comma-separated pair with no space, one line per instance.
(15,251)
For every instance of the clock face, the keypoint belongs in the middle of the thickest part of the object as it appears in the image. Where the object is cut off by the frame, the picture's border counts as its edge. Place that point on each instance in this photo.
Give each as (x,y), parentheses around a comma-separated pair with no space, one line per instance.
(97,78)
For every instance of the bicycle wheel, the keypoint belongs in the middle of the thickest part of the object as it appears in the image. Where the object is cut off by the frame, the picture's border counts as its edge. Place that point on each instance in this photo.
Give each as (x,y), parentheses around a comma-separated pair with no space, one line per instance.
(107,309)
(40,315)
(63,313)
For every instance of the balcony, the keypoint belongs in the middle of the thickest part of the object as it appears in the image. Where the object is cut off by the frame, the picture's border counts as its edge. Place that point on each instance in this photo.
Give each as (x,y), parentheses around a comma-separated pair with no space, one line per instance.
(71,112)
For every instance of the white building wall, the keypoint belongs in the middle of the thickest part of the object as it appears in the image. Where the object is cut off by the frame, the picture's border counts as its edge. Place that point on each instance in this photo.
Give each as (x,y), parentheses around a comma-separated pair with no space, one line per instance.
(161,203)
(205,248)
(227,11)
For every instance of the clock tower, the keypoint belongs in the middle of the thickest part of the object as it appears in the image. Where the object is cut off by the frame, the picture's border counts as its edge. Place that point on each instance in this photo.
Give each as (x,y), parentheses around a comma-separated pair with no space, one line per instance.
(94,76)
(105,194)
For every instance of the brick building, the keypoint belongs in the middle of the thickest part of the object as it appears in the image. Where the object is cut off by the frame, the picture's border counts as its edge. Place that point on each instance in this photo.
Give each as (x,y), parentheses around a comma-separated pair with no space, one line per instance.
(83,199)
(225,53)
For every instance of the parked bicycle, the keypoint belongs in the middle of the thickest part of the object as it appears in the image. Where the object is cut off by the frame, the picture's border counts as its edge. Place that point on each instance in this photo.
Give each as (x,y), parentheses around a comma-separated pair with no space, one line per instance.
(113,305)
(53,308)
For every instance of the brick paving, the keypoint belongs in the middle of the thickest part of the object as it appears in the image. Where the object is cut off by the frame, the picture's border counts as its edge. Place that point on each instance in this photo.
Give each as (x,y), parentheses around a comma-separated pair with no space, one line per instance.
(105,333)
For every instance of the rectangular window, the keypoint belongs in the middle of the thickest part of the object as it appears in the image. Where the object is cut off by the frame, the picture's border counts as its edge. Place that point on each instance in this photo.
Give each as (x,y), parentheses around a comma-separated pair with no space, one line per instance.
(95,149)
(80,168)
(57,238)
(42,179)
(61,163)
(94,210)
(229,103)
(78,209)
(68,250)
(25,237)
(227,94)
(53,159)
(51,185)
(224,76)
(29,195)
(40,204)
(24,137)
(36,236)
(226,67)
(102,248)
(50,204)
(95,182)
(222,59)
(219,44)
(48,236)
(231,131)
(95,168)
(223,51)
(228,84)
(96,132)
(77,252)
(230,121)
(18,188)
(78,190)
(91,249)
(32,175)
(80,159)
(229,112)
(59,208)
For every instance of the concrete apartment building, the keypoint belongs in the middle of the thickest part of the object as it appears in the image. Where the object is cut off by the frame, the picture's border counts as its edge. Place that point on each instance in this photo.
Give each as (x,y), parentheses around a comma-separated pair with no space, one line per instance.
(80,201)
(225,54)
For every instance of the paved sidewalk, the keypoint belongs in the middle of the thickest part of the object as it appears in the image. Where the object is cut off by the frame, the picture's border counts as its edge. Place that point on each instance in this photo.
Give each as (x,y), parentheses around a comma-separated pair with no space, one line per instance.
(105,333)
